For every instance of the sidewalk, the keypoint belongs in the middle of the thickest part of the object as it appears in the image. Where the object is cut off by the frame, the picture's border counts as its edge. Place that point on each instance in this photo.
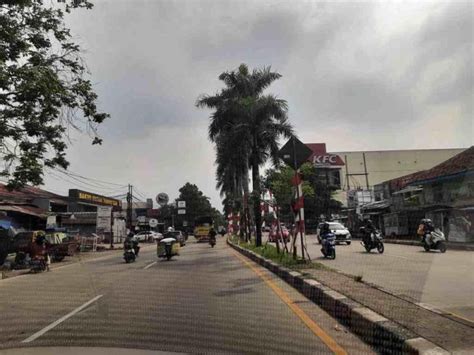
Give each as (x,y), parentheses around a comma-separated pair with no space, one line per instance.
(450,334)
(450,245)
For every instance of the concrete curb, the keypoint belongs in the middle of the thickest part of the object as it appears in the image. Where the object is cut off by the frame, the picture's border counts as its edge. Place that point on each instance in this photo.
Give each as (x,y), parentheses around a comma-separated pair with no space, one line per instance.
(367,324)
(451,246)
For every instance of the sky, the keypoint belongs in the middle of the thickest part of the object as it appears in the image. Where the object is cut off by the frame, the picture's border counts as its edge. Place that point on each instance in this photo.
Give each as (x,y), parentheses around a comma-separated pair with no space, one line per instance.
(356,75)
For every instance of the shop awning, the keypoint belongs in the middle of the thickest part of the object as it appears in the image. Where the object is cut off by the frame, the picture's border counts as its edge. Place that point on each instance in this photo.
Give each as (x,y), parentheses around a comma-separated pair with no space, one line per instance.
(25,209)
(408,189)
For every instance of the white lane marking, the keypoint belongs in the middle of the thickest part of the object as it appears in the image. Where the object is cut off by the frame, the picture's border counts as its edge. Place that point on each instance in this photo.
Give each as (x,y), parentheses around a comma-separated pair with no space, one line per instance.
(60,320)
(149,265)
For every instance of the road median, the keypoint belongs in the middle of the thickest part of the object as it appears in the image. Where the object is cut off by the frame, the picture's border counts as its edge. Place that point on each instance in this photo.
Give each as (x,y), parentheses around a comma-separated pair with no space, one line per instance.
(381,319)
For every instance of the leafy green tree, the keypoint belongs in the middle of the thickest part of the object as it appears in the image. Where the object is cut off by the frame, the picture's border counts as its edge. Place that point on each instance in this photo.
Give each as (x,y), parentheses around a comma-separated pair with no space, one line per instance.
(317,194)
(197,204)
(43,91)
(250,120)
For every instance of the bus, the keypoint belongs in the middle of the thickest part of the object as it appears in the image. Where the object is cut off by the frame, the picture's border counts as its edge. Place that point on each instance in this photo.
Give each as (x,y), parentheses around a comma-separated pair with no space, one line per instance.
(202,226)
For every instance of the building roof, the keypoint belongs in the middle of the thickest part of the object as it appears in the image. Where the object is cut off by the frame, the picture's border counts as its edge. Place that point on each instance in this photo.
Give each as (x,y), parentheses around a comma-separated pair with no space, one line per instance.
(25,209)
(459,164)
(27,193)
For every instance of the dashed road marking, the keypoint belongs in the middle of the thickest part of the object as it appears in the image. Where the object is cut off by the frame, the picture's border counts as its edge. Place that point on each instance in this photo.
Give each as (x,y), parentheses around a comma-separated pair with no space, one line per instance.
(60,320)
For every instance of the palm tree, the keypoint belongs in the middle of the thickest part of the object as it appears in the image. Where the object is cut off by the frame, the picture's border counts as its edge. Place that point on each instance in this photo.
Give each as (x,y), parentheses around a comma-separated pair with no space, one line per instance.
(248,121)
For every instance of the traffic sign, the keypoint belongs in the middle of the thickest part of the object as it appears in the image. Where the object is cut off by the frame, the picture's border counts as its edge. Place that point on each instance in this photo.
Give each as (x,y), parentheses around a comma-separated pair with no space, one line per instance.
(181,204)
(181,211)
(295,153)
(153,222)
(162,199)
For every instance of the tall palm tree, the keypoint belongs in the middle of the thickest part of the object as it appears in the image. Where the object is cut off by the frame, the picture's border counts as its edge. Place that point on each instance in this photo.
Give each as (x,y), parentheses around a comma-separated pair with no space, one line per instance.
(254,121)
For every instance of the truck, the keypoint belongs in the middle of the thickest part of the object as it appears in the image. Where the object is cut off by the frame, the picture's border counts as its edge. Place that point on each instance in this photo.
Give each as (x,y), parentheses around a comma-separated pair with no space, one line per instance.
(202,227)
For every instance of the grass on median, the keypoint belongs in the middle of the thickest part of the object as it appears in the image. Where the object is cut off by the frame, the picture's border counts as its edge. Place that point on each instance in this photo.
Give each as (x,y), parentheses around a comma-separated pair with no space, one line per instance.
(284,259)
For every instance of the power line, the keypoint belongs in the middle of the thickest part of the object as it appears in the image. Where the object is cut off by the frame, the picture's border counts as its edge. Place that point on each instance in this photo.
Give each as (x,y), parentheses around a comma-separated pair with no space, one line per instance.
(78,183)
(68,172)
(86,182)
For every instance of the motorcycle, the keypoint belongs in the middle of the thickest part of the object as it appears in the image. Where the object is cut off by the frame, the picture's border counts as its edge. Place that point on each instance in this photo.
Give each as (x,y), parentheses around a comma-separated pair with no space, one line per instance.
(167,248)
(212,241)
(434,240)
(329,246)
(37,263)
(374,241)
(129,254)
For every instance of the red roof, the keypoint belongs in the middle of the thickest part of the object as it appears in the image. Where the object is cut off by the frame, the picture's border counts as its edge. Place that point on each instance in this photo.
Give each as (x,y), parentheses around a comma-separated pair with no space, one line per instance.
(26,193)
(460,163)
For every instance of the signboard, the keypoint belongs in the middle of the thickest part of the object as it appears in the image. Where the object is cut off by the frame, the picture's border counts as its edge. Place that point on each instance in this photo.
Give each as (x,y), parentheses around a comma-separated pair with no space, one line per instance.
(141,219)
(162,199)
(181,211)
(51,222)
(153,222)
(185,223)
(324,160)
(181,204)
(294,153)
(88,197)
(104,218)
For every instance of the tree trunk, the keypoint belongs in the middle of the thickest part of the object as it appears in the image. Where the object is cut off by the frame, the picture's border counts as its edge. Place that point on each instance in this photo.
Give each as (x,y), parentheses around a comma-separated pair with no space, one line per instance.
(256,207)
(245,188)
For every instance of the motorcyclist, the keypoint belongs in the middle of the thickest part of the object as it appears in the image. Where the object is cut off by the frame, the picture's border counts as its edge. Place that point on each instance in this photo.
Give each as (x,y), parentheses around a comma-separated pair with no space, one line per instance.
(212,235)
(425,229)
(369,230)
(325,231)
(128,243)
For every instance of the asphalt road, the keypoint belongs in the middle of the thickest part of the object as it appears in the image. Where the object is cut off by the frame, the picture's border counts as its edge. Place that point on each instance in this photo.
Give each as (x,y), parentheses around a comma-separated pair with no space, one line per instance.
(204,301)
(445,281)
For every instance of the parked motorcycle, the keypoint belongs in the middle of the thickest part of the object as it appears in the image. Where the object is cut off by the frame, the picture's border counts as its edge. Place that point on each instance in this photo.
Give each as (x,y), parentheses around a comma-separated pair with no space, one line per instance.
(39,263)
(329,246)
(434,240)
(373,241)
(167,248)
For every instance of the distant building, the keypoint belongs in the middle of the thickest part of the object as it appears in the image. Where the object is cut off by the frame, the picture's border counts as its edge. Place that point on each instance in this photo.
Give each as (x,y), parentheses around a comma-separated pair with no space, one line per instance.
(444,193)
(347,170)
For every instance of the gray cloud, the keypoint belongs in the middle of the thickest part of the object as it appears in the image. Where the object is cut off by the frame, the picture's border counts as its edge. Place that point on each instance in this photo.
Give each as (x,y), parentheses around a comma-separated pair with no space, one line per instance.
(356,75)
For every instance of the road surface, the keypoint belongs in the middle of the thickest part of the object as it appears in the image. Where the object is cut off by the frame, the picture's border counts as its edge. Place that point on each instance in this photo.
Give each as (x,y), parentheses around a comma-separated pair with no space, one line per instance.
(445,281)
(206,300)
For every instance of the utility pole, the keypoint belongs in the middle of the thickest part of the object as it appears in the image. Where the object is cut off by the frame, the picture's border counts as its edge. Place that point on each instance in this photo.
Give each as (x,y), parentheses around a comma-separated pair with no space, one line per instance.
(347,173)
(129,207)
(365,172)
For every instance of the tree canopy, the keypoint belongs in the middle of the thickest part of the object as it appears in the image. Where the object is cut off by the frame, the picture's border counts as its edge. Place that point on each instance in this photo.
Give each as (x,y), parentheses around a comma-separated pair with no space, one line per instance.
(317,194)
(43,89)
(245,125)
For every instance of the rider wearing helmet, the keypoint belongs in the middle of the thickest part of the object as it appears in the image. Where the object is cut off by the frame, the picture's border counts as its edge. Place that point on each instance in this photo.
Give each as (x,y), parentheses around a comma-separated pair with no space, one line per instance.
(425,229)
(368,230)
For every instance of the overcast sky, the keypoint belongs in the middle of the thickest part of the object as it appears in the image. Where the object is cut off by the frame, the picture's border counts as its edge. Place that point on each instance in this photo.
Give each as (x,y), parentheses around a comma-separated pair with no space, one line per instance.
(357,76)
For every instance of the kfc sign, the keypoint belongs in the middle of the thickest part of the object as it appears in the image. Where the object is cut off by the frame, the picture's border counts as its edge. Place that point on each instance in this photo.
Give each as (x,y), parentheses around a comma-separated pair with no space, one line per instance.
(325,160)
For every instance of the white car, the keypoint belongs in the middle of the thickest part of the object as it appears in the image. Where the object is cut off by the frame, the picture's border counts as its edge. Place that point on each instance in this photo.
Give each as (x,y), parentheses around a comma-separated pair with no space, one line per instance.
(148,236)
(342,233)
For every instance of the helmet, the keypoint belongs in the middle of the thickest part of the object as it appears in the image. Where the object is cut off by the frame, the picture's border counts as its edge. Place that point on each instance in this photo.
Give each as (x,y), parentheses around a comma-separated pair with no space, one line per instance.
(170,229)
(325,226)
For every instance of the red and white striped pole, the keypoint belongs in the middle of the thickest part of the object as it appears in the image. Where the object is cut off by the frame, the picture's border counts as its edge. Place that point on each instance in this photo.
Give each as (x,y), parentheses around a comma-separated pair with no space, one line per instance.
(298,208)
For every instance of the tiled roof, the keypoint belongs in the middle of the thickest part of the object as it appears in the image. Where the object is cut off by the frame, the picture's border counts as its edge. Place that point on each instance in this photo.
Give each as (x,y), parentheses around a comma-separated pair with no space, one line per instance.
(460,163)
(26,193)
